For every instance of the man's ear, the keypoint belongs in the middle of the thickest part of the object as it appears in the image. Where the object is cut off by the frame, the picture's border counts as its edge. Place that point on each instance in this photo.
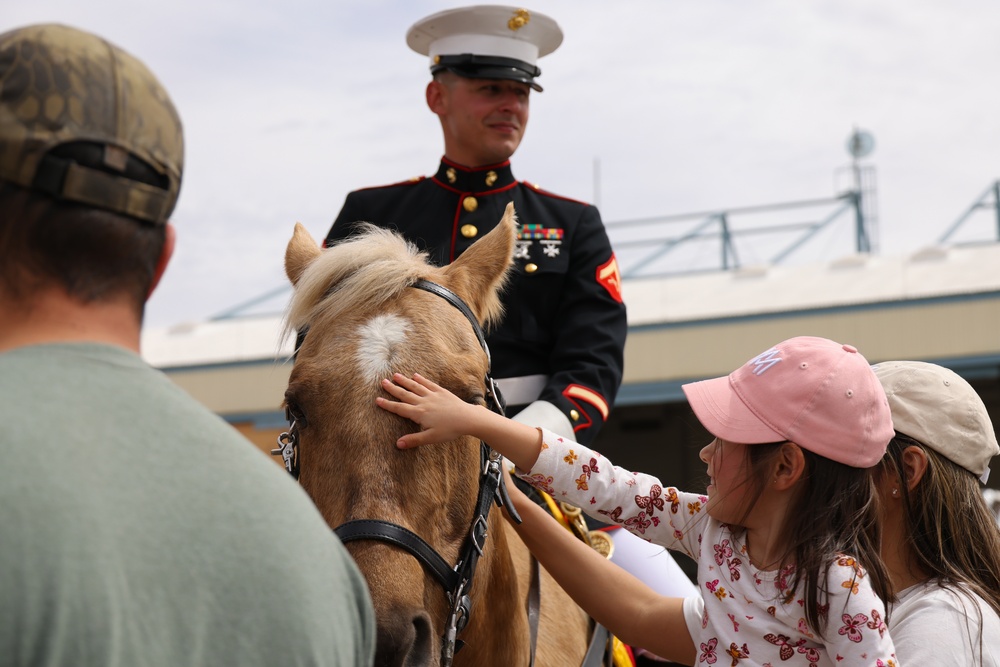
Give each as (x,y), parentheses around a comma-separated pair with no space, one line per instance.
(165,255)
(435,95)
(789,465)
(914,465)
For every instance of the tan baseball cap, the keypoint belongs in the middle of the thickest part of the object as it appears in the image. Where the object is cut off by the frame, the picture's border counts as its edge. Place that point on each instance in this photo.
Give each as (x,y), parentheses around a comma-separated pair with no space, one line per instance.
(82,120)
(936,407)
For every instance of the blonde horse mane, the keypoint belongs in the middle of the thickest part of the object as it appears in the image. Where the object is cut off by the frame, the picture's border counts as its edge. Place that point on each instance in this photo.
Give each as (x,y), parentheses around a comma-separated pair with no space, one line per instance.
(367,271)
(371,268)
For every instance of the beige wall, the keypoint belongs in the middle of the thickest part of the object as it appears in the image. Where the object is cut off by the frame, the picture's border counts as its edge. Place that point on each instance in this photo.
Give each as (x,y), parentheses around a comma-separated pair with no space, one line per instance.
(947,330)
(235,390)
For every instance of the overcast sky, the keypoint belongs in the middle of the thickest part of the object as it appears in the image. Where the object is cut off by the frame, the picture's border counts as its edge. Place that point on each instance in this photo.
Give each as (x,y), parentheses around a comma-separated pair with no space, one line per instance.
(684,106)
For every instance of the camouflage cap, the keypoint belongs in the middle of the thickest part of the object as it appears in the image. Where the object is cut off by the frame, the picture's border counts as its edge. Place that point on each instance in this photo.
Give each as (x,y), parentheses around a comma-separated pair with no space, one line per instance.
(62,87)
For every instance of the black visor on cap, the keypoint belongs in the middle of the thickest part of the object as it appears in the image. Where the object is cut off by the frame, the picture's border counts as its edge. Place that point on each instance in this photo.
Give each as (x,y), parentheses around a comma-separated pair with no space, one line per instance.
(488,67)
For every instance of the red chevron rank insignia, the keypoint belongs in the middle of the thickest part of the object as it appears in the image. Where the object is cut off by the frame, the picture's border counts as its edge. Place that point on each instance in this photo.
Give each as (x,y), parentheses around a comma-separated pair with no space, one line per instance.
(610,279)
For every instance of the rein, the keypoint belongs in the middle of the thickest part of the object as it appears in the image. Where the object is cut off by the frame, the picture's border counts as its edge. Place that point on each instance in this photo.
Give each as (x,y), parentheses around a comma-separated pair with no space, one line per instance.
(457,580)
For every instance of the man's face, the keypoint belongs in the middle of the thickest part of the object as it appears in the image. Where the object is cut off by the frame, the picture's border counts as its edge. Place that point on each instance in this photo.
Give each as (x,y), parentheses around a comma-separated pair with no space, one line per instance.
(483,119)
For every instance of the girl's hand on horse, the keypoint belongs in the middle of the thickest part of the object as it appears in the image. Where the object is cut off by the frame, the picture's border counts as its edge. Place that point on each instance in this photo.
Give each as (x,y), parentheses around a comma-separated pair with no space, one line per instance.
(441,415)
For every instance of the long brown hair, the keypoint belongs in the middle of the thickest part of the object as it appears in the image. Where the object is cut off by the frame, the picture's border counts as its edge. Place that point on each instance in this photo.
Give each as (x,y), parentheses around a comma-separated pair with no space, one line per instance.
(839,515)
(950,530)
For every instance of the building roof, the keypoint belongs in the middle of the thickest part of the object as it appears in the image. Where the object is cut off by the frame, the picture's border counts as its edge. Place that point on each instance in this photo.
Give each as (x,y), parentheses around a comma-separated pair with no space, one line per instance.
(856,281)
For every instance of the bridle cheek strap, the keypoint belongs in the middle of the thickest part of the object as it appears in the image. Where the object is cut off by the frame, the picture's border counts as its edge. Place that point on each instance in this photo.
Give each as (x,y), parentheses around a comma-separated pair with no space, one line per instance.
(383,531)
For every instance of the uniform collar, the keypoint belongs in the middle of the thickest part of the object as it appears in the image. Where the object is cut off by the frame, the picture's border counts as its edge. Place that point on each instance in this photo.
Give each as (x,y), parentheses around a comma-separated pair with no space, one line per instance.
(479,179)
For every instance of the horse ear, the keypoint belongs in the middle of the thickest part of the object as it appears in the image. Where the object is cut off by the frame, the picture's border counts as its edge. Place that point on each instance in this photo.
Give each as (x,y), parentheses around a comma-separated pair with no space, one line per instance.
(302,250)
(479,273)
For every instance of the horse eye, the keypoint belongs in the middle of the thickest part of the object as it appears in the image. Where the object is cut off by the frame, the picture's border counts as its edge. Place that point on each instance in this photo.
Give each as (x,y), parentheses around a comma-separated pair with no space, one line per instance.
(294,412)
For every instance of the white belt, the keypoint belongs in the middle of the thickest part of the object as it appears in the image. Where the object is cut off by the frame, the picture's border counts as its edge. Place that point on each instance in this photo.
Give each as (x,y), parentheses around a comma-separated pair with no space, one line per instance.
(522,390)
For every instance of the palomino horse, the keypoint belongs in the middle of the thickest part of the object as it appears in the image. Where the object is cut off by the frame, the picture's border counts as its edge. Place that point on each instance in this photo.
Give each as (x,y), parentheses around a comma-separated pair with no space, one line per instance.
(365,321)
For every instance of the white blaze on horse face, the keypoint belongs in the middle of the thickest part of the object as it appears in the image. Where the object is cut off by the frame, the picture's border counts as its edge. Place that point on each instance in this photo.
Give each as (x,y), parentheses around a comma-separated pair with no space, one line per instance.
(380,337)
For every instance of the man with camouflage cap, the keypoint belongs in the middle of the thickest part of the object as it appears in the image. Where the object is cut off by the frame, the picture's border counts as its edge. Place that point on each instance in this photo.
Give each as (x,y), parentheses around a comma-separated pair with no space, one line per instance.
(137,527)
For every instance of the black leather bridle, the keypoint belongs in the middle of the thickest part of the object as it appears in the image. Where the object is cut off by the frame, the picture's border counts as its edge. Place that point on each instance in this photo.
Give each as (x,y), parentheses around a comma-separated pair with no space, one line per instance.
(457,580)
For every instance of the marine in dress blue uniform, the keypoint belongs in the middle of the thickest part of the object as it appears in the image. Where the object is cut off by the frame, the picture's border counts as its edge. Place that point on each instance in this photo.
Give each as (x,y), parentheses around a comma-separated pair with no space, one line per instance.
(558,353)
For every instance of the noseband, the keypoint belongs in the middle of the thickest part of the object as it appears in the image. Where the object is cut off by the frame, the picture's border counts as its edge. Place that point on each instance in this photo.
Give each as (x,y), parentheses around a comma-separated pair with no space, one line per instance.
(457,580)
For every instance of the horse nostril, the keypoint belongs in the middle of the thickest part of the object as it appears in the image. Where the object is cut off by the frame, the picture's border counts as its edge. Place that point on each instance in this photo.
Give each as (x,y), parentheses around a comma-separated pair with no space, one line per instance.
(422,642)
(406,642)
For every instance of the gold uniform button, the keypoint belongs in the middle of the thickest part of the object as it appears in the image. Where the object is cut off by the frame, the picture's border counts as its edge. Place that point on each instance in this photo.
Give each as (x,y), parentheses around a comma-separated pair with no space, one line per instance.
(468,231)
(470,204)
(491,178)
(574,415)
(530,268)
(450,175)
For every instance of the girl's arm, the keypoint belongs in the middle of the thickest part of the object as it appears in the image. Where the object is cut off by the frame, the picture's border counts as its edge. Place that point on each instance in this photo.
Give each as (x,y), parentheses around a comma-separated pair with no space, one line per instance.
(636,501)
(443,416)
(856,629)
(632,611)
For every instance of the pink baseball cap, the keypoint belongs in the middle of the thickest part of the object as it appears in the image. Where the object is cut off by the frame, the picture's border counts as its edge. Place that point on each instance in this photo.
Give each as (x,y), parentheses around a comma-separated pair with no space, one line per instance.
(817,393)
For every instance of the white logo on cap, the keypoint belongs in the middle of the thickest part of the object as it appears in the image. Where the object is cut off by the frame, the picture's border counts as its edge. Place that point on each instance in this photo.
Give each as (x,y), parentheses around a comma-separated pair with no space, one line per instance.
(765,360)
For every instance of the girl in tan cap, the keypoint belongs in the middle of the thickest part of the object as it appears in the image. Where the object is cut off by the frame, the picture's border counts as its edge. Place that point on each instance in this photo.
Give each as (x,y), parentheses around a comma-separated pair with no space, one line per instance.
(941,543)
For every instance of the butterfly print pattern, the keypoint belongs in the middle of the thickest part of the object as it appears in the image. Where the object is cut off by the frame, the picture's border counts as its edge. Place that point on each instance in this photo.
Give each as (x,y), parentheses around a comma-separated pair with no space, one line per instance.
(708,651)
(588,469)
(542,483)
(876,623)
(652,501)
(638,523)
(722,552)
(810,653)
(734,568)
(852,626)
(614,515)
(674,500)
(738,653)
(786,649)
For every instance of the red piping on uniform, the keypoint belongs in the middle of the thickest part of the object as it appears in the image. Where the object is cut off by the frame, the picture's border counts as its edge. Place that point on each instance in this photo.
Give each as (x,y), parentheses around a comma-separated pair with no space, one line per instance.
(591,398)
(481,193)
(499,165)
(458,208)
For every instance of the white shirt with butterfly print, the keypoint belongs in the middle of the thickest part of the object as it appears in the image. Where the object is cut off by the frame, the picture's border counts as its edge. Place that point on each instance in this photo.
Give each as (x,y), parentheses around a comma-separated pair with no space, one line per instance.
(745,621)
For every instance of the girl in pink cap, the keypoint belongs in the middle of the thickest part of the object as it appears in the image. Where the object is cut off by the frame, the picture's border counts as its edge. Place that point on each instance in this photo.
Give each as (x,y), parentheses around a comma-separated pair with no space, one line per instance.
(786,536)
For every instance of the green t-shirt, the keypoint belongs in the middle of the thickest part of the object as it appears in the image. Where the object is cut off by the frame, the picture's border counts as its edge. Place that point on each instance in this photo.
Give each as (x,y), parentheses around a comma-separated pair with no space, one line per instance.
(139,529)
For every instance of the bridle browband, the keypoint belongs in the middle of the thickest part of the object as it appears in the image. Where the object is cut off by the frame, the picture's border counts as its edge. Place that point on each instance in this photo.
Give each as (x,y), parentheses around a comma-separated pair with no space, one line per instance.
(457,580)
